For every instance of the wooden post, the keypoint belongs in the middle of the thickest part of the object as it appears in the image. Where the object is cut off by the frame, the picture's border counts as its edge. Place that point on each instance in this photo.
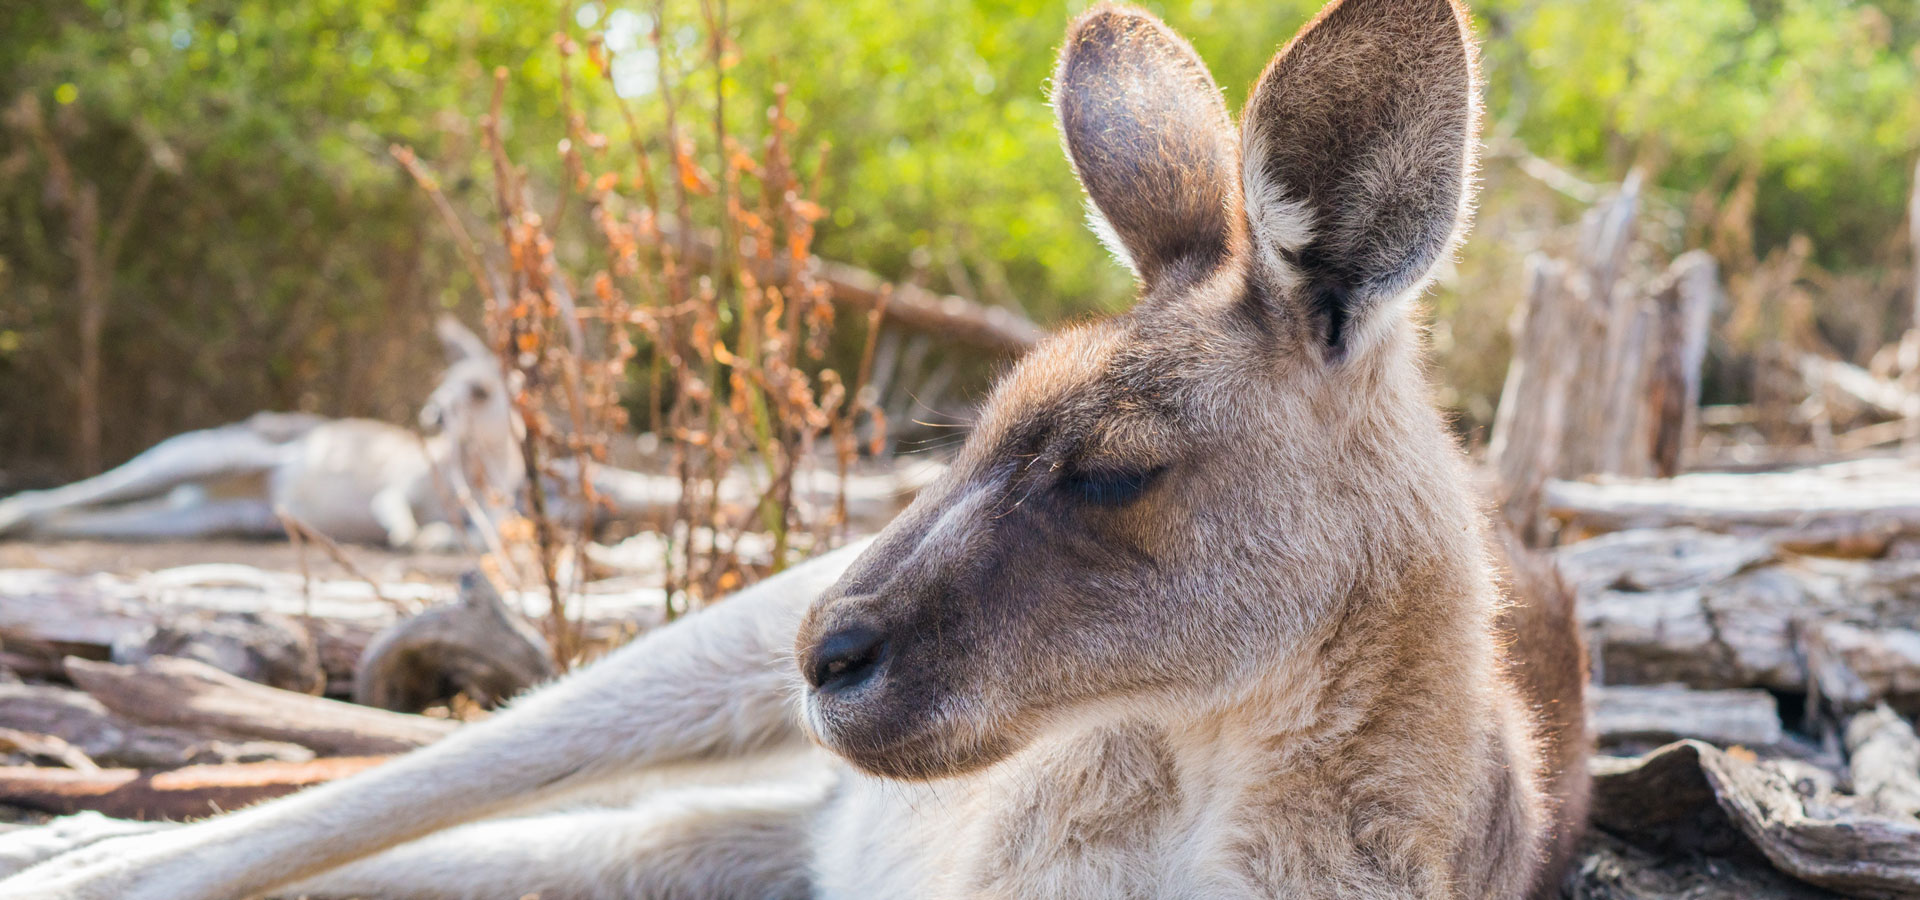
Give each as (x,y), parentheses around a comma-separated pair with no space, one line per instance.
(1606,311)
(1910,343)
(1684,300)
(1560,331)
(1531,418)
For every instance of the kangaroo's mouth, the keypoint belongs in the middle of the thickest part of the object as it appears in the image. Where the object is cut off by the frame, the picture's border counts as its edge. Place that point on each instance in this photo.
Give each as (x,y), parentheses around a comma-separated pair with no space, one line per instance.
(905,732)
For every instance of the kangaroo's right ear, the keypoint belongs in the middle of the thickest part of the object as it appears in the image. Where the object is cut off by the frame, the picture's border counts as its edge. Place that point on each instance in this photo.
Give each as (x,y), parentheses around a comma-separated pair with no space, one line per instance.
(1149,136)
(459,342)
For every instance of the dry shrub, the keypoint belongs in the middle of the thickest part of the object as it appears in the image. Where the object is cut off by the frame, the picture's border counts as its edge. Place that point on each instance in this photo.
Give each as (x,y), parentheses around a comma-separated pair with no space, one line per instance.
(698,298)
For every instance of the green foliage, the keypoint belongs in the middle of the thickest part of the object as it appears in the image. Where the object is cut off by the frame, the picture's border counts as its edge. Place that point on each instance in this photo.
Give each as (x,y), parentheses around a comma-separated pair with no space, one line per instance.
(281,260)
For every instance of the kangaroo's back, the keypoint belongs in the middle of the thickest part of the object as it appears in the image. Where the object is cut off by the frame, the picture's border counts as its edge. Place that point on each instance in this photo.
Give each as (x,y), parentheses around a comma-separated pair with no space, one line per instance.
(1547,662)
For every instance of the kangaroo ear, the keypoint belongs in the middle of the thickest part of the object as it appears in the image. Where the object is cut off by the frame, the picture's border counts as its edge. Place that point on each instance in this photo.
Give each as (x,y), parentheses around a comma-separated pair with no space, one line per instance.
(1357,149)
(1149,136)
(459,342)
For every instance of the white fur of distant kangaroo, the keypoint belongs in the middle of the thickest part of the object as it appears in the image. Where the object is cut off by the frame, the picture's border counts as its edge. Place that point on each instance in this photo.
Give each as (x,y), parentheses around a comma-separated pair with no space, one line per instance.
(350,479)
(1204,609)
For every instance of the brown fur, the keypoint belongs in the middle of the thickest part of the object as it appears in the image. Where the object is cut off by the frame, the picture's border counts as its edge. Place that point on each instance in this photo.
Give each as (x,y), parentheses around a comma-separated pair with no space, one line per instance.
(1231,519)
(1549,665)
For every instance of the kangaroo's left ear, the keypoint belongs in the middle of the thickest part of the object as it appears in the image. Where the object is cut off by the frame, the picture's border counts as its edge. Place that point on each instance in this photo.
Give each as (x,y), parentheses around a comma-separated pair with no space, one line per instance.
(1357,151)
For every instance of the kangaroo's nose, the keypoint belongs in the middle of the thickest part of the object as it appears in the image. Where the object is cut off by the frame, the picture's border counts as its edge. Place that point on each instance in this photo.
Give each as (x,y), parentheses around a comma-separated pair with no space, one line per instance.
(430,421)
(845,659)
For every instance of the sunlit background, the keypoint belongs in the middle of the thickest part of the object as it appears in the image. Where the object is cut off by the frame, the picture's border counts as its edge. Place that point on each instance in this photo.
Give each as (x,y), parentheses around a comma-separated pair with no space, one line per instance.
(206,187)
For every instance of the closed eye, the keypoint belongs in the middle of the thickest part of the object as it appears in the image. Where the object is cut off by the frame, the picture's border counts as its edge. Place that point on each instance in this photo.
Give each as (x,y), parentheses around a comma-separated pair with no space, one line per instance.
(1109,487)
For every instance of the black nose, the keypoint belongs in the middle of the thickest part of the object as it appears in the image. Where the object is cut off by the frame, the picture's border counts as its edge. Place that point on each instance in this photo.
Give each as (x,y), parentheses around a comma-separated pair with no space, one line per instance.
(845,659)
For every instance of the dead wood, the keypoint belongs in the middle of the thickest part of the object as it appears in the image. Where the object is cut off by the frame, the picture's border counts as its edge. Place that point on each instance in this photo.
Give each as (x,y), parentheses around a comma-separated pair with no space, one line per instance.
(990,328)
(1584,325)
(1884,760)
(1684,300)
(189,793)
(1658,714)
(644,499)
(1850,391)
(189,694)
(1722,611)
(20,748)
(1853,665)
(1690,797)
(46,616)
(107,739)
(1608,868)
(268,648)
(1853,507)
(474,646)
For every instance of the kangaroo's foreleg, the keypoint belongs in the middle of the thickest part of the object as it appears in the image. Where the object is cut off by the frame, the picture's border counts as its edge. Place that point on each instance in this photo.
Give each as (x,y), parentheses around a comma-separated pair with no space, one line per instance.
(747,841)
(194,456)
(714,685)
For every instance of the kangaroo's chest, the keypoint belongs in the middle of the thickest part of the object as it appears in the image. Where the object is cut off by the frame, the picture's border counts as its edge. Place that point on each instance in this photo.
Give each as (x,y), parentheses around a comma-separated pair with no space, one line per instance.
(1104,815)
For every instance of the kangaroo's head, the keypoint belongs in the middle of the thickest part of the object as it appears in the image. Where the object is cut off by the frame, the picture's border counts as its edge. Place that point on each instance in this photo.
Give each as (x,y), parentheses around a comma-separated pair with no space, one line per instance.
(470,410)
(1162,507)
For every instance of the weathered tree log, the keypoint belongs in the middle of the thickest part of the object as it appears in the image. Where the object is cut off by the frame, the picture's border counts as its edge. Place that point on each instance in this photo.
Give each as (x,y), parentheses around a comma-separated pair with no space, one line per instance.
(1608,868)
(188,694)
(1684,300)
(189,793)
(1694,798)
(1854,666)
(113,740)
(953,318)
(268,648)
(648,499)
(1659,714)
(22,748)
(473,646)
(1854,507)
(1530,422)
(1854,391)
(1721,611)
(1605,375)
(1883,756)
(46,616)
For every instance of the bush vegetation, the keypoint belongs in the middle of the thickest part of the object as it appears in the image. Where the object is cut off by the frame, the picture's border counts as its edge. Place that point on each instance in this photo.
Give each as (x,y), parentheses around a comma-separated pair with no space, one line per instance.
(252,245)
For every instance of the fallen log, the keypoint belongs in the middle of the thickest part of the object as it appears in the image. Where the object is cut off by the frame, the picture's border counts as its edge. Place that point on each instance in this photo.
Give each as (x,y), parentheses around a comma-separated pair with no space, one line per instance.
(173,795)
(474,646)
(1851,391)
(46,616)
(1690,797)
(114,741)
(268,648)
(187,694)
(1609,868)
(1884,758)
(953,318)
(1719,611)
(1854,507)
(1660,714)
(27,749)
(1853,666)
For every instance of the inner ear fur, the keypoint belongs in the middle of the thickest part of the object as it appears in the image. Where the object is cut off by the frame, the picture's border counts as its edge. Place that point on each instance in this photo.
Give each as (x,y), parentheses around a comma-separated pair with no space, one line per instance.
(1148,133)
(1357,147)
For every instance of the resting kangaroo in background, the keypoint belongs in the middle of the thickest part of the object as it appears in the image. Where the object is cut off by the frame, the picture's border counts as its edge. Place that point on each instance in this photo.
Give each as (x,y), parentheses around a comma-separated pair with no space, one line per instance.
(1203,609)
(350,479)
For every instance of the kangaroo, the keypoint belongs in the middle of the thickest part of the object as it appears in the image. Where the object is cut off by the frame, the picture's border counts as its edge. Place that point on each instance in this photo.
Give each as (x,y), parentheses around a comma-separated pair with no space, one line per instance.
(350,479)
(1204,608)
